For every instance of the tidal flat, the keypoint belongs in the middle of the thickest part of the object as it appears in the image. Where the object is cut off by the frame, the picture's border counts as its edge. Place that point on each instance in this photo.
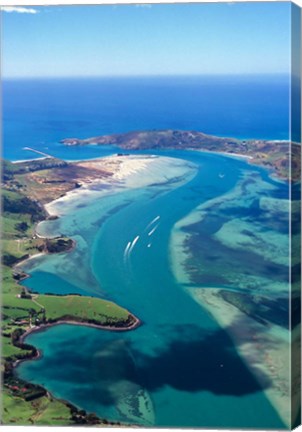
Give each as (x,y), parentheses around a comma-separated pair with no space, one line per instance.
(232,254)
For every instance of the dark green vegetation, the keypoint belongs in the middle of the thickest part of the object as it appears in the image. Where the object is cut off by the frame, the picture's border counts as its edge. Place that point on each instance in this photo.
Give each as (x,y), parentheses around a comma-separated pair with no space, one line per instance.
(9,169)
(142,140)
(19,213)
(13,202)
(274,155)
(25,403)
(61,244)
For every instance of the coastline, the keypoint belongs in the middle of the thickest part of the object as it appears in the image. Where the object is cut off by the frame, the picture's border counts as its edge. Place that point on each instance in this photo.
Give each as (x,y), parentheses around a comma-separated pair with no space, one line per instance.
(29,160)
(268,153)
(41,328)
(127,170)
(61,321)
(119,168)
(125,173)
(46,326)
(224,153)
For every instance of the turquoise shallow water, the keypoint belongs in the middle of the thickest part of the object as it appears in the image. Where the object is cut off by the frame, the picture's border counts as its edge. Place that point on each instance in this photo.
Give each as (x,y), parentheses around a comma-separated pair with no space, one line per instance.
(179,368)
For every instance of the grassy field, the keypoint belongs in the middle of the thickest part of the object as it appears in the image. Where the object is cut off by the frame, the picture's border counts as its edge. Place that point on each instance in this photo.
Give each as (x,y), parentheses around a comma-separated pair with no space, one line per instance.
(84,308)
(42,411)
(13,301)
(13,195)
(9,285)
(8,349)
(53,308)
(10,222)
(51,412)
(17,222)
(18,248)
(17,310)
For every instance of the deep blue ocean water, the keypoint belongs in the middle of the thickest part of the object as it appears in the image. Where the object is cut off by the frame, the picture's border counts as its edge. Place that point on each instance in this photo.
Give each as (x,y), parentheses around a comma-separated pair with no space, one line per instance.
(175,357)
(39,113)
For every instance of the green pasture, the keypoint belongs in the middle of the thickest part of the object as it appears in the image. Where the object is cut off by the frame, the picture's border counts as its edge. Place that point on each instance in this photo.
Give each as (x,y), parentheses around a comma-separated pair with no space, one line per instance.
(83,308)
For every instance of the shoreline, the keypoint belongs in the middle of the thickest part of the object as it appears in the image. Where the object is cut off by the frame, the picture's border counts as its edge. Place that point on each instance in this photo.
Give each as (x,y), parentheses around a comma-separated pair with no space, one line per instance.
(120,170)
(240,138)
(29,160)
(18,266)
(71,322)
(268,153)
(127,172)
(224,153)
(61,321)
(37,255)
(137,323)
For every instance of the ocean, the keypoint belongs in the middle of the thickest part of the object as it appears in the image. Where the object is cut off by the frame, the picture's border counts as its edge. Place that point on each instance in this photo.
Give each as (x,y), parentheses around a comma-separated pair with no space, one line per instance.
(183,367)
(39,113)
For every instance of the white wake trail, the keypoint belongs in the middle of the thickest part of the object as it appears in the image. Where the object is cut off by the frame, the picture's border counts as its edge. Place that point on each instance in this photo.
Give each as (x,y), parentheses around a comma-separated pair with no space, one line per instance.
(152,222)
(153,230)
(126,251)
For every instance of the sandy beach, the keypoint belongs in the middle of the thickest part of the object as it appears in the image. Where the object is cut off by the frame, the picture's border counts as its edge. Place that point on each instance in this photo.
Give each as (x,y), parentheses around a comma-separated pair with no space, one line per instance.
(114,173)
(120,166)
(236,155)
(108,171)
(233,155)
(29,160)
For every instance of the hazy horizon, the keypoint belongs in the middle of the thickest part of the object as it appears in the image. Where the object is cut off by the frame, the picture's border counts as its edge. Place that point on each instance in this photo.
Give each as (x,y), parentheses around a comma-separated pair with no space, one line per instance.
(218,75)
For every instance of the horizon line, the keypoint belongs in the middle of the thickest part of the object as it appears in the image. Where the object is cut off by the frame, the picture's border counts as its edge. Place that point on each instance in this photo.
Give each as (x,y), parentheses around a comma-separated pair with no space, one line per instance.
(194,75)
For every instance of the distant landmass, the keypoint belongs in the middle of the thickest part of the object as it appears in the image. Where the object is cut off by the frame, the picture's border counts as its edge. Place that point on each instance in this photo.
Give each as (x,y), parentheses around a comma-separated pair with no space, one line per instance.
(274,155)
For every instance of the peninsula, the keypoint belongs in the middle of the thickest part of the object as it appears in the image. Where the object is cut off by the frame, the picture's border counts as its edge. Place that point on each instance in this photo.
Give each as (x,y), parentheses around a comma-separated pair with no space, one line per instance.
(278,156)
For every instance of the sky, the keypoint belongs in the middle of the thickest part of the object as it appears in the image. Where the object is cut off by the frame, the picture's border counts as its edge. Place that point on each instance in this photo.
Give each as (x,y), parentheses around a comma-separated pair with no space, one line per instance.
(157,39)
